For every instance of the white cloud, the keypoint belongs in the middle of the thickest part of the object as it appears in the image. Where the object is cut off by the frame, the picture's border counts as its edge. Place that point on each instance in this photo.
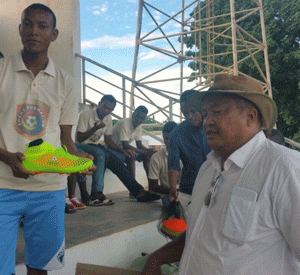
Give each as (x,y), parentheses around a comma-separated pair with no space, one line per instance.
(157,17)
(100,9)
(113,42)
(171,86)
(110,42)
(152,55)
(96,12)
(104,8)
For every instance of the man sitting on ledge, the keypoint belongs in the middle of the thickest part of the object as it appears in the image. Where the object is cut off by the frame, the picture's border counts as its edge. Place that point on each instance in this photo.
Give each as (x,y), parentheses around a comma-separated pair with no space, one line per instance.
(92,125)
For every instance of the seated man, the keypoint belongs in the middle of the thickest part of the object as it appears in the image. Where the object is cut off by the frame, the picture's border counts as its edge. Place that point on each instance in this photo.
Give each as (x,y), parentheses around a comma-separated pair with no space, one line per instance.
(127,130)
(158,168)
(92,125)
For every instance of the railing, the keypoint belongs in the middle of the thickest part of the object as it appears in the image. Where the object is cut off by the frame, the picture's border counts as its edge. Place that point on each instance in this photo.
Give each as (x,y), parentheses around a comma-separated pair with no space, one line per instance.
(147,95)
(292,143)
(153,99)
(159,102)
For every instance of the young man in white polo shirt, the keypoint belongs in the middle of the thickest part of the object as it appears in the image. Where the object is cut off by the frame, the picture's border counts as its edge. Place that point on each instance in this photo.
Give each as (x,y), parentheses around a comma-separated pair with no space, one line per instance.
(127,130)
(158,168)
(92,125)
(37,101)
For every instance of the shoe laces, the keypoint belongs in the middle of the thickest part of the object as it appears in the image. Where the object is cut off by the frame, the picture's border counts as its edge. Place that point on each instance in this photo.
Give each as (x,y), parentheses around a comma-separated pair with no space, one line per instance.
(75,199)
(68,201)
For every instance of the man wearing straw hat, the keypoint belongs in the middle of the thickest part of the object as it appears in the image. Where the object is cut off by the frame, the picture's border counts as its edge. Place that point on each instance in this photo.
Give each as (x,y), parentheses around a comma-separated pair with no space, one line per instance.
(244,215)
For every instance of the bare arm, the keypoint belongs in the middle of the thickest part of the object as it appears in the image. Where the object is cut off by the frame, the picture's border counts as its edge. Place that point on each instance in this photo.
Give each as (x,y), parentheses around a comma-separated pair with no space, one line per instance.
(148,151)
(155,187)
(139,149)
(173,178)
(112,145)
(169,253)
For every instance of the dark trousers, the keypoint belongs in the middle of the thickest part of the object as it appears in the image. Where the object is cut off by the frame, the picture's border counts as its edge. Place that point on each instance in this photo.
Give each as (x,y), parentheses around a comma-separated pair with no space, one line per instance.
(120,170)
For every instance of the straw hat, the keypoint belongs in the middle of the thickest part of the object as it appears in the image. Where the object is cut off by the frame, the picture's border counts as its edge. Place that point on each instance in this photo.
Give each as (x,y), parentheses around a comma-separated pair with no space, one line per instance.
(245,87)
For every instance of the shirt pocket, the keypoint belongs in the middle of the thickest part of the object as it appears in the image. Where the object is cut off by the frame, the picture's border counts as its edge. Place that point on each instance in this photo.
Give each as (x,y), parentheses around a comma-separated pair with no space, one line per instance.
(240,215)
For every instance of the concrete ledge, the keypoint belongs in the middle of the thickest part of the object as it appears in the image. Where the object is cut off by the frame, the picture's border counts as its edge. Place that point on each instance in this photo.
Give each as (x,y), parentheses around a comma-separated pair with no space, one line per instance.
(117,250)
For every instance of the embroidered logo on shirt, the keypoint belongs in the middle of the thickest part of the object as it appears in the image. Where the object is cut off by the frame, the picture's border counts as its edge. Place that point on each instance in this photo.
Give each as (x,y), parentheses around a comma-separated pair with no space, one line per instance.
(32,119)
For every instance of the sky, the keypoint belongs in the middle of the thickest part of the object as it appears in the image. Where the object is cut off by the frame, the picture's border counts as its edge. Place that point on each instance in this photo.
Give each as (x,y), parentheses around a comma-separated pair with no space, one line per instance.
(108,30)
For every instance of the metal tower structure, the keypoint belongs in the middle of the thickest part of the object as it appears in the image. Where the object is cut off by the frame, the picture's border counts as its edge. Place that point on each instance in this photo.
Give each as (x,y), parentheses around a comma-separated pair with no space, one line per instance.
(210,33)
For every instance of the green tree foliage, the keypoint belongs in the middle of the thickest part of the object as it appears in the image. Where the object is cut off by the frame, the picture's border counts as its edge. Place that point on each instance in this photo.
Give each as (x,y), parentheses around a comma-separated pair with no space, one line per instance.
(282,21)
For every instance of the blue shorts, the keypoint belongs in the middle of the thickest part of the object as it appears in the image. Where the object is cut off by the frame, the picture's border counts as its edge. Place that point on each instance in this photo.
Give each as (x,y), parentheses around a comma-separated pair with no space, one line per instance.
(44,230)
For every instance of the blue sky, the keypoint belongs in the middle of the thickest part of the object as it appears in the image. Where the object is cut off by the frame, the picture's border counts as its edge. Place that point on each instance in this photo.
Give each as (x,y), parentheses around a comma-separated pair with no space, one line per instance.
(108,30)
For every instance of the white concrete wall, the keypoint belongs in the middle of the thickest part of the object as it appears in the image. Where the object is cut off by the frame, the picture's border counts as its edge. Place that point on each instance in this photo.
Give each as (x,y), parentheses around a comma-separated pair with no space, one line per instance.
(63,49)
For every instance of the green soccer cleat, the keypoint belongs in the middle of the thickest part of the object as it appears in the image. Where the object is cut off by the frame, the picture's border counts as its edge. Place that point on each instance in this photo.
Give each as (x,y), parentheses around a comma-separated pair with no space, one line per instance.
(42,157)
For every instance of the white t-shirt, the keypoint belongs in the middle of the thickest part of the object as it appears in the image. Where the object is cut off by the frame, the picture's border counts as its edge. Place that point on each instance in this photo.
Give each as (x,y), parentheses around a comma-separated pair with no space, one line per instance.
(239,235)
(31,108)
(87,121)
(123,131)
(158,168)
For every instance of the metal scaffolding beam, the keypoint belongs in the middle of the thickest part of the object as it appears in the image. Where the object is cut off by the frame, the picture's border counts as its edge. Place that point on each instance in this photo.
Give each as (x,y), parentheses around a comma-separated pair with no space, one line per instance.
(216,37)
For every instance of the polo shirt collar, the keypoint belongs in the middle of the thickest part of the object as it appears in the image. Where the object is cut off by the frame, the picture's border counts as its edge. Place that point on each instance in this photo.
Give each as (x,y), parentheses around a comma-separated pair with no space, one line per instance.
(241,156)
(95,114)
(19,66)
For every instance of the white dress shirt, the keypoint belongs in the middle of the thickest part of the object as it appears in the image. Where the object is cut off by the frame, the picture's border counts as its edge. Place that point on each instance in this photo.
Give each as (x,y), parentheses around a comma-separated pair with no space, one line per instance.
(243,232)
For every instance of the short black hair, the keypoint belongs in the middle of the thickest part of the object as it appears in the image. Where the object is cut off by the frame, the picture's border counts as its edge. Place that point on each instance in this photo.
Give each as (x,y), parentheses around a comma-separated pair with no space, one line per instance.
(38,6)
(109,98)
(186,94)
(169,127)
(141,109)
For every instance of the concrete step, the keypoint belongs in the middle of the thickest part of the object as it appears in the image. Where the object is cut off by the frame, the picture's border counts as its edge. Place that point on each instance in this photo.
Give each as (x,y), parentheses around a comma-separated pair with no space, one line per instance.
(113,234)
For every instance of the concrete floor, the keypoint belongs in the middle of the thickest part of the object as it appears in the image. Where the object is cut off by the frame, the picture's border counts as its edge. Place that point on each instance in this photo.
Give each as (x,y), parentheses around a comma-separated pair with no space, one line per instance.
(96,222)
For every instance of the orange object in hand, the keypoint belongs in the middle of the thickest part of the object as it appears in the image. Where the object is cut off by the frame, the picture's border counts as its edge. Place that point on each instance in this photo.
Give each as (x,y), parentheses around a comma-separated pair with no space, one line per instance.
(173,227)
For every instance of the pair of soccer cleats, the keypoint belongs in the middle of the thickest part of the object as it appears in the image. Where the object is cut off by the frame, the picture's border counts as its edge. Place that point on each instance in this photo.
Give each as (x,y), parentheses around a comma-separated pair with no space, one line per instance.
(42,157)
